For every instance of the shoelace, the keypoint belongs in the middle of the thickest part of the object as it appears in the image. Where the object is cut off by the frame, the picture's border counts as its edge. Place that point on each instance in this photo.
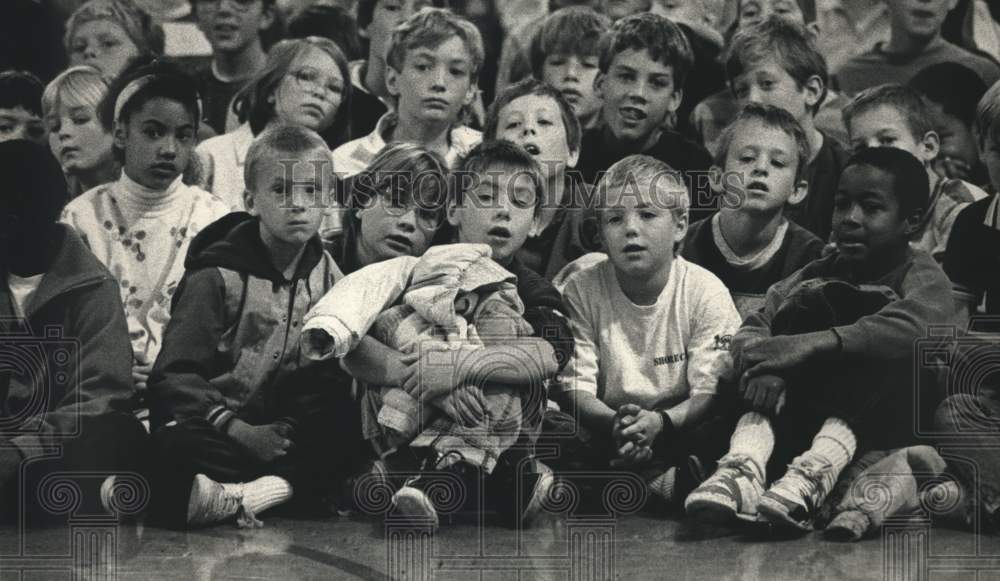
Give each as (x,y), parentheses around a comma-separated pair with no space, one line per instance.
(232,501)
(741,464)
(804,478)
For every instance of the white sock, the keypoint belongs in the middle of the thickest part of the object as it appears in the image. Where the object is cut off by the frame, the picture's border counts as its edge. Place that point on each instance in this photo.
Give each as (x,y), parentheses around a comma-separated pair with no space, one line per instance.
(266,492)
(753,437)
(835,444)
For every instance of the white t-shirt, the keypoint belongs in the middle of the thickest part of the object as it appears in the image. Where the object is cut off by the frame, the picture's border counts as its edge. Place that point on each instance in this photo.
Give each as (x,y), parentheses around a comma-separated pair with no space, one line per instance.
(22,289)
(656,355)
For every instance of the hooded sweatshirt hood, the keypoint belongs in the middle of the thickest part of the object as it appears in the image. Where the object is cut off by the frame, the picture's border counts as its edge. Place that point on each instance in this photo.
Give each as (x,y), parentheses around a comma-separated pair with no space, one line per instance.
(233,242)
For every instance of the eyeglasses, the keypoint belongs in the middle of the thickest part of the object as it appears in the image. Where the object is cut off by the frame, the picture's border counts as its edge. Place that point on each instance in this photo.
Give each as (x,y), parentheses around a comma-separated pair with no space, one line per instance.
(311,79)
(428,219)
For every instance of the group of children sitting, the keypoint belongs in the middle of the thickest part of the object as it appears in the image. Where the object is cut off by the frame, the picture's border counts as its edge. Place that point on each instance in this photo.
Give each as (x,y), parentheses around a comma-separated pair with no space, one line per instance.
(279,316)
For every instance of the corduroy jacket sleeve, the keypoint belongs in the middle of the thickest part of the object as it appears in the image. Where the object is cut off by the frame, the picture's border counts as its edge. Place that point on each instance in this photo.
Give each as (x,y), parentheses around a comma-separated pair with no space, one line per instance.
(179,384)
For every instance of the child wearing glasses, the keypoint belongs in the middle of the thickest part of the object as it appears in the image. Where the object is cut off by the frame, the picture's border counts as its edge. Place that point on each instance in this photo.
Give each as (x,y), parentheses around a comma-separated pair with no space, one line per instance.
(305,82)
(468,416)
(433,61)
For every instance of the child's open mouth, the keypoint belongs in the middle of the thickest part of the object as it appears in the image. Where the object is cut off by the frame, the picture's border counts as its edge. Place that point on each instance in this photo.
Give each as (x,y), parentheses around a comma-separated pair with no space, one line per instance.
(757,188)
(633,250)
(399,243)
(632,114)
(532,148)
(500,233)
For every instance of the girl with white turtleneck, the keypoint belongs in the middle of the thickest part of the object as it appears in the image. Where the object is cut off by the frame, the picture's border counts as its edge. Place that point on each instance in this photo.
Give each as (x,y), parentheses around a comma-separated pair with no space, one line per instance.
(140,225)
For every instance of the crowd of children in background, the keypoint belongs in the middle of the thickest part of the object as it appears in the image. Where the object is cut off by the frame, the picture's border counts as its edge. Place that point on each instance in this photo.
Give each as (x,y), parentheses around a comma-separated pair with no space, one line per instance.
(304,247)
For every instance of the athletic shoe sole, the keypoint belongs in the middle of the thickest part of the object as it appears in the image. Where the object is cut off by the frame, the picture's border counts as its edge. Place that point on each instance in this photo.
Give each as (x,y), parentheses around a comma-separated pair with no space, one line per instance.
(413,503)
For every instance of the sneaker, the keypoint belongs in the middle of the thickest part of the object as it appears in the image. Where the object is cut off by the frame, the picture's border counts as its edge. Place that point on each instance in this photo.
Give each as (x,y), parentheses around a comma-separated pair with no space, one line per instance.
(212,502)
(413,502)
(518,489)
(848,526)
(414,499)
(107,495)
(793,500)
(733,491)
(671,488)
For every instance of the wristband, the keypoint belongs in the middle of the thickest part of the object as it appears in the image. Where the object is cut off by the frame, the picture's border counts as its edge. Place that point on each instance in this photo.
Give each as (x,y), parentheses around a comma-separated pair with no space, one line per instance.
(668,425)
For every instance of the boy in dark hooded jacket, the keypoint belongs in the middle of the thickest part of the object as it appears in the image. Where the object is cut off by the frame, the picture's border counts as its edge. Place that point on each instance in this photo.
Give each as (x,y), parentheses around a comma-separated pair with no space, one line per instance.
(241,418)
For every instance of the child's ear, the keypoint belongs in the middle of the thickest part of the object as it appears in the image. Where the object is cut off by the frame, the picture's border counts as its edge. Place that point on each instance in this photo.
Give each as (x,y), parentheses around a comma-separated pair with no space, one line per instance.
(118,134)
(574,156)
(913,222)
(392,81)
(248,203)
(451,212)
(814,90)
(674,100)
(715,177)
(599,85)
(267,16)
(799,193)
(681,226)
(930,146)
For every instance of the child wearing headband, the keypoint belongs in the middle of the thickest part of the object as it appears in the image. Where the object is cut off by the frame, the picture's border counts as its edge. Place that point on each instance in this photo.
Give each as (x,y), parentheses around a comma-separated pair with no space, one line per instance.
(140,225)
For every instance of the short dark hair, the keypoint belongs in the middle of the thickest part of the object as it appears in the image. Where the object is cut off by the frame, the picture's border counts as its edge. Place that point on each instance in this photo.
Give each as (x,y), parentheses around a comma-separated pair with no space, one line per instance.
(769,116)
(331,22)
(909,179)
(662,39)
(491,153)
(532,86)
(575,30)
(21,89)
(785,41)
(955,87)
(902,98)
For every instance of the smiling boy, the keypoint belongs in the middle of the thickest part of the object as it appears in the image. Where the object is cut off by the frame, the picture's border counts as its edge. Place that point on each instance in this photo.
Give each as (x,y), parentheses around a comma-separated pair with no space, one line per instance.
(644,62)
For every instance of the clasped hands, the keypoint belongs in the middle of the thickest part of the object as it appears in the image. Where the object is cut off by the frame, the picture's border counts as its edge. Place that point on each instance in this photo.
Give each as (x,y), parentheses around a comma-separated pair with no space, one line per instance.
(634,430)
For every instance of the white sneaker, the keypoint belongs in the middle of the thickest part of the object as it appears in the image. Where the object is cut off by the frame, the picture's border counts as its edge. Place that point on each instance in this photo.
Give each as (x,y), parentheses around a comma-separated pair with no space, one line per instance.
(733,491)
(413,503)
(211,502)
(793,500)
(107,494)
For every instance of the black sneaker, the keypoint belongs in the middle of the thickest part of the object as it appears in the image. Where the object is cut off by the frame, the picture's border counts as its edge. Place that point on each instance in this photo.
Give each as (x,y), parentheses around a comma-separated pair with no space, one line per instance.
(433,491)
(518,489)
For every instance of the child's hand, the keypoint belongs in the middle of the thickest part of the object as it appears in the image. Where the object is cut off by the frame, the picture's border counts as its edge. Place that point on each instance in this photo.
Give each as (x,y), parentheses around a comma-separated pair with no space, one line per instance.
(265,443)
(141,368)
(776,354)
(638,425)
(764,393)
(437,371)
(630,454)
(465,405)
